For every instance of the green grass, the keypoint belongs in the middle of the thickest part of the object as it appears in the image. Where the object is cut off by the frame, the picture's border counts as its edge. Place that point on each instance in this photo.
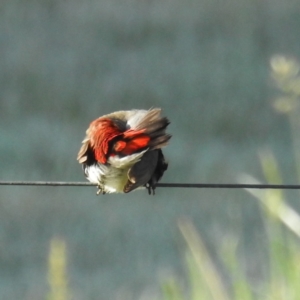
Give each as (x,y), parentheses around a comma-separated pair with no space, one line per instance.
(207,280)
(57,271)
(67,62)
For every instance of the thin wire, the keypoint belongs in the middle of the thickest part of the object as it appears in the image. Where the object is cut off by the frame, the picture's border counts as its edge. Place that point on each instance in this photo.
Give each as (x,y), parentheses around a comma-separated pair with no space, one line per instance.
(166,185)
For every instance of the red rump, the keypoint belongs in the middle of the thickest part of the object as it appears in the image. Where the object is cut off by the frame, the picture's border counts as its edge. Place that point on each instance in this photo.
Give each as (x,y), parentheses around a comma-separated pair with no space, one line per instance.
(119,146)
(104,130)
(133,145)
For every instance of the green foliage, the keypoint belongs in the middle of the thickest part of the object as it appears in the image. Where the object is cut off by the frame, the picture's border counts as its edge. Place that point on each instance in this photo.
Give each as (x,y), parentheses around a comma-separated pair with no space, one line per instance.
(205,279)
(64,63)
(281,224)
(57,271)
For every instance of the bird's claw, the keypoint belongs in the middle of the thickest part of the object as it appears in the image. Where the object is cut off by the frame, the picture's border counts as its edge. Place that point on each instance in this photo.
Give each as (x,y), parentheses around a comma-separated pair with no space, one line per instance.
(150,188)
(100,190)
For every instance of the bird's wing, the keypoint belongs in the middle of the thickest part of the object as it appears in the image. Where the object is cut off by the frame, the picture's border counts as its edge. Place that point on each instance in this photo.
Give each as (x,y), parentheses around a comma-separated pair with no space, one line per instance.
(141,172)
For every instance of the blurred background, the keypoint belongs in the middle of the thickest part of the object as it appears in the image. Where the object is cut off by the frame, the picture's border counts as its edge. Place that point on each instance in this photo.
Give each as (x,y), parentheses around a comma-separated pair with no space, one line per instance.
(221,72)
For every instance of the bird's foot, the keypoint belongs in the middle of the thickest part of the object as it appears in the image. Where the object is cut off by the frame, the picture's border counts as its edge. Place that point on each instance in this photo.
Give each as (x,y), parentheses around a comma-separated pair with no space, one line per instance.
(150,188)
(100,190)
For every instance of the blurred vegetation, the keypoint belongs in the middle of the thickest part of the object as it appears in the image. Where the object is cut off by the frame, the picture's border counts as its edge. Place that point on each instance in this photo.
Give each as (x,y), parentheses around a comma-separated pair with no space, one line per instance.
(281,222)
(57,271)
(64,63)
(205,281)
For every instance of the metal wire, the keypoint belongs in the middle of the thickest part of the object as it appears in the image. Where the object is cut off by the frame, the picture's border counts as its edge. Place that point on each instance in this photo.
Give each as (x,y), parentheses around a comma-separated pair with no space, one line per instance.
(164,185)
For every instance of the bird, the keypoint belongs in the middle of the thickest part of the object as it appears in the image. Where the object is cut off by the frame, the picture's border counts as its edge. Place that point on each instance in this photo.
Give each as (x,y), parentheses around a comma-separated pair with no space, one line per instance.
(121,151)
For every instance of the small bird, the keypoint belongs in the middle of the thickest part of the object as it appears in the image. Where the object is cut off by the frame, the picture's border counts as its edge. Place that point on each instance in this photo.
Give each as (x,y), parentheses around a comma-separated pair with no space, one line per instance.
(122,151)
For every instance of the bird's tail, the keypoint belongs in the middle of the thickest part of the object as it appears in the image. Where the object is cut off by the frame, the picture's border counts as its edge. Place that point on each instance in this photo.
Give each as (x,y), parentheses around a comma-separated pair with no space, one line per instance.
(149,131)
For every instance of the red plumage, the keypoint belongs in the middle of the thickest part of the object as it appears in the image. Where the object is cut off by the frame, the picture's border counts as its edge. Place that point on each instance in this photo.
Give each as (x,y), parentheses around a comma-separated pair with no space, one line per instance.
(129,146)
(105,131)
(102,131)
(122,150)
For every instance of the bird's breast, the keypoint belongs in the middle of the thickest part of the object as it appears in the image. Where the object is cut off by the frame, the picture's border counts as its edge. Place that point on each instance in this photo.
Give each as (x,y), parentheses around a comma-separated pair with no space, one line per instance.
(110,179)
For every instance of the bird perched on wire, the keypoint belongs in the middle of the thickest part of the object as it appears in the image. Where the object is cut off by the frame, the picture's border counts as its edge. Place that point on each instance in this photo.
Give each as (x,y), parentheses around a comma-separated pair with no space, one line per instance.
(122,151)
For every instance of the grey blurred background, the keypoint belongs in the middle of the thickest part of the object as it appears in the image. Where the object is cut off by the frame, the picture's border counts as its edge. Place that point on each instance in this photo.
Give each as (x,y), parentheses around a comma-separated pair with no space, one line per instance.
(205,63)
